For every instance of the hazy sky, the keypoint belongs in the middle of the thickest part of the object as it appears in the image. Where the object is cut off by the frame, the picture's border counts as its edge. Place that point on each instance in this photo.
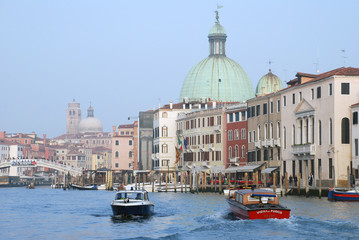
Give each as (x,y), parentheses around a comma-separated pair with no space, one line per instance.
(129,56)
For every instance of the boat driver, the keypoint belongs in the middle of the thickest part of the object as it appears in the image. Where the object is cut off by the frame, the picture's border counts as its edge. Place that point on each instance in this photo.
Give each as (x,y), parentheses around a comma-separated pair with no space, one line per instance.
(138,196)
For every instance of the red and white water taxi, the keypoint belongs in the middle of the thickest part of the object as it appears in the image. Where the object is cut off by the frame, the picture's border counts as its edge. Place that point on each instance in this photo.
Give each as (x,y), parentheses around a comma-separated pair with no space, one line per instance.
(257,204)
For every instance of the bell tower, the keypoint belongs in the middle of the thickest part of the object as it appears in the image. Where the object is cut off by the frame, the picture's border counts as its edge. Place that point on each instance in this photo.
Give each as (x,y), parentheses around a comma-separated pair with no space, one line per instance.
(73,117)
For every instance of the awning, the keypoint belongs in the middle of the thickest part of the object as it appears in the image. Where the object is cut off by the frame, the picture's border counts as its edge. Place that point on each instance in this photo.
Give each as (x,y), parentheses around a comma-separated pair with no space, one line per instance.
(270,169)
(248,168)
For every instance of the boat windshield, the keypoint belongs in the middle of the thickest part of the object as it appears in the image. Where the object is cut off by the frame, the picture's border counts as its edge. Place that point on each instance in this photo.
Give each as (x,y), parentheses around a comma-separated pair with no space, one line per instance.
(138,196)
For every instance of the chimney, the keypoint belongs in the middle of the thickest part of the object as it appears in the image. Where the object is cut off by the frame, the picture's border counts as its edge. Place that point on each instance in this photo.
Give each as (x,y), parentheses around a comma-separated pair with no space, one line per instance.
(114,130)
(44,140)
(2,134)
(20,135)
(171,104)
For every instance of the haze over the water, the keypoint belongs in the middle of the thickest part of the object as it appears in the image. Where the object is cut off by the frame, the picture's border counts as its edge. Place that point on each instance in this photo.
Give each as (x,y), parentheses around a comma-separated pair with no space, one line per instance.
(129,56)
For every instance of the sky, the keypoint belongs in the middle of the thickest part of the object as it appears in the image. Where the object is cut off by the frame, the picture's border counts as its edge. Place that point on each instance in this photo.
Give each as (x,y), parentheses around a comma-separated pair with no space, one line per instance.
(123,57)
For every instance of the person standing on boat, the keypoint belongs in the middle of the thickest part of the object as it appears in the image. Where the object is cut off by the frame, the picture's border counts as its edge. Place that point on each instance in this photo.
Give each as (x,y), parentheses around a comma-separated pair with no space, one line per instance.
(352,180)
(295,180)
(290,180)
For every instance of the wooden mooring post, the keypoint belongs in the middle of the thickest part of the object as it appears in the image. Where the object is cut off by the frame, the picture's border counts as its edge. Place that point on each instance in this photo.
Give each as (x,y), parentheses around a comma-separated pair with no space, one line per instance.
(320,180)
(274,181)
(299,177)
(212,180)
(286,183)
(220,182)
(229,180)
(181,182)
(166,181)
(205,181)
(175,181)
(246,179)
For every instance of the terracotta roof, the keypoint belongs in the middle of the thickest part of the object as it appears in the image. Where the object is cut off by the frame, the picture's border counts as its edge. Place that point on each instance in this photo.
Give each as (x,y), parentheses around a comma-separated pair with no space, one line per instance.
(354,105)
(343,71)
(7,142)
(126,126)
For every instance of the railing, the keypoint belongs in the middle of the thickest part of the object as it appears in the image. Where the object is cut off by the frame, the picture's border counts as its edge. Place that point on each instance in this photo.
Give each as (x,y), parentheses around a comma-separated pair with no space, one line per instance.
(210,147)
(201,147)
(217,128)
(304,149)
(257,144)
(277,142)
(270,142)
(234,160)
(264,143)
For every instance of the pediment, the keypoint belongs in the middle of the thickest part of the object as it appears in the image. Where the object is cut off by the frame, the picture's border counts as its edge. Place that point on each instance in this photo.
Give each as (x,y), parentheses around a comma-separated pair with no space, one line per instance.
(304,107)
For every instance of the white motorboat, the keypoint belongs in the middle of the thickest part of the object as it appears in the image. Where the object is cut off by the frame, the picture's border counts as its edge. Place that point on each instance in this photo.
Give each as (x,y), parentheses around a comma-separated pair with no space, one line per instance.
(132,202)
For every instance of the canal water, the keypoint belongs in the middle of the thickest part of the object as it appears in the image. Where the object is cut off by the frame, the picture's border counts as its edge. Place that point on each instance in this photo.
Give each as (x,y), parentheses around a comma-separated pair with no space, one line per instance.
(44,213)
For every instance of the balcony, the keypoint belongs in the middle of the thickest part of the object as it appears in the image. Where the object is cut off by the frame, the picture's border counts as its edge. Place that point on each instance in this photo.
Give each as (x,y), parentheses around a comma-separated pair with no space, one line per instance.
(201,147)
(210,147)
(277,142)
(179,132)
(304,149)
(234,160)
(257,144)
(270,142)
(153,156)
(217,128)
(264,143)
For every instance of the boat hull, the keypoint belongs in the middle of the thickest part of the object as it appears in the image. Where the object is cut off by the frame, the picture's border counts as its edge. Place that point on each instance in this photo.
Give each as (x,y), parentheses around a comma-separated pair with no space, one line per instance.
(92,187)
(135,210)
(343,196)
(258,212)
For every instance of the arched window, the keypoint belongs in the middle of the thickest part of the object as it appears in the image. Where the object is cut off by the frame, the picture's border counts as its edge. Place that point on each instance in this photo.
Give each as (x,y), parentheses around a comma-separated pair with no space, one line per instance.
(164,115)
(130,154)
(243,151)
(230,152)
(164,131)
(345,131)
(293,135)
(236,151)
(116,154)
(278,129)
(164,148)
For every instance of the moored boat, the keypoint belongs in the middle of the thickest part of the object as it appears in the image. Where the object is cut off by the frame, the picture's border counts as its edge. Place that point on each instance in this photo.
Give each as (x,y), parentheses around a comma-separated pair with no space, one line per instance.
(336,195)
(135,203)
(88,187)
(257,204)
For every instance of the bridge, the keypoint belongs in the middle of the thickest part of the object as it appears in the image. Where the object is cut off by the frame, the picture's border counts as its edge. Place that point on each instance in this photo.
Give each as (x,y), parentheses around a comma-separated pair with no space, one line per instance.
(74,171)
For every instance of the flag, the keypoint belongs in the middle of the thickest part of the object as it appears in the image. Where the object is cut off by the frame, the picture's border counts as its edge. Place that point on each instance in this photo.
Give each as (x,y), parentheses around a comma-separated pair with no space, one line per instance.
(178,155)
(179,143)
(185,143)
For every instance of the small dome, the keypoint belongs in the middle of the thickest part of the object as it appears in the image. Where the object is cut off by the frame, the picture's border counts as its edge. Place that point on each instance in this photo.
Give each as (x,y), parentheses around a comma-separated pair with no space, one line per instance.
(269,83)
(216,30)
(90,124)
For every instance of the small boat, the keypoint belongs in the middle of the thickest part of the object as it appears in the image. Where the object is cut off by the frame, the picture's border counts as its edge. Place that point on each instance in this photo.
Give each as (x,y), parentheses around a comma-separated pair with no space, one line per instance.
(257,204)
(88,187)
(132,203)
(336,195)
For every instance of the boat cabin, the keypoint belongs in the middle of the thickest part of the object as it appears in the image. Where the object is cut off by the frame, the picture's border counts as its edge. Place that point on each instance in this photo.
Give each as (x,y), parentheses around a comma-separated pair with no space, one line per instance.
(256,196)
(136,195)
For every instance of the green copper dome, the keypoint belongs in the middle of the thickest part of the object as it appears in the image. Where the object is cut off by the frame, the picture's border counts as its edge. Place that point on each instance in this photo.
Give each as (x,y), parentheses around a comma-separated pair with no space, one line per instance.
(217,77)
(269,83)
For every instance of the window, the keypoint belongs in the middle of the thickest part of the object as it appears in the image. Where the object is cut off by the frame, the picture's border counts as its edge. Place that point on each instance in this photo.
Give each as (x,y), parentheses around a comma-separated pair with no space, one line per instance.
(243,151)
(164,131)
(254,136)
(130,154)
(355,118)
(230,152)
(265,108)
(330,89)
(237,116)
(319,92)
(164,148)
(330,168)
(130,142)
(300,96)
(293,98)
(330,131)
(116,165)
(278,105)
(345,131)
(258,110)
(285,138)
(312,93)
(243,133)
(249,137)
(230,135)
(236,151)
(320,132)
(253,111)
(230,117)
(284,101)
(271,107)
(236,134)
(164,115)
(218,138)
(345,88)
(116,154)
(356,147)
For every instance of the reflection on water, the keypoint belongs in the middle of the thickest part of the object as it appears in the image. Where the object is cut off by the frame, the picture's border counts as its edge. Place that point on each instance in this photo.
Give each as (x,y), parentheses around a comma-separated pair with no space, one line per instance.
(44,212)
